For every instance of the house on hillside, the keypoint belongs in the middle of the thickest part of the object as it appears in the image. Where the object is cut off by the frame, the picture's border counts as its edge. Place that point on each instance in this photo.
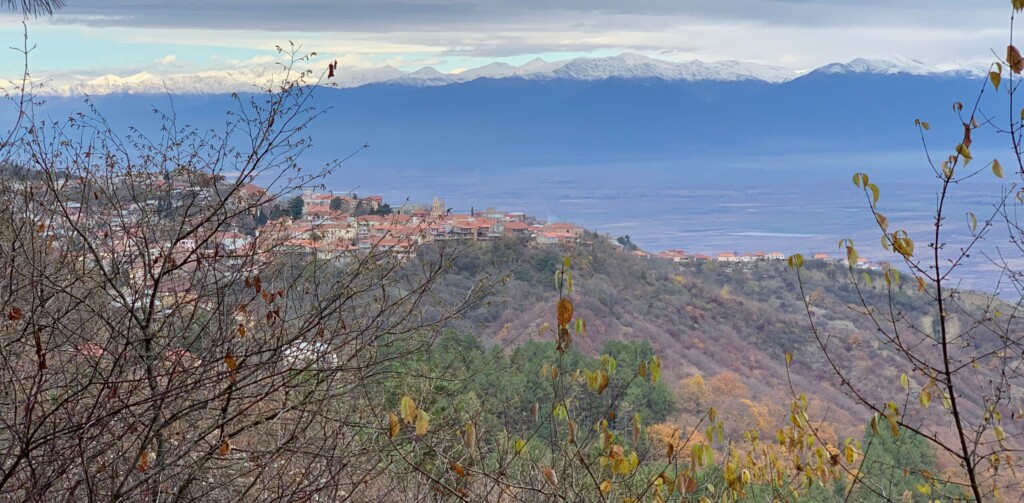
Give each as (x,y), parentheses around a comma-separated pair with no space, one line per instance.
(555,238)
(673,255)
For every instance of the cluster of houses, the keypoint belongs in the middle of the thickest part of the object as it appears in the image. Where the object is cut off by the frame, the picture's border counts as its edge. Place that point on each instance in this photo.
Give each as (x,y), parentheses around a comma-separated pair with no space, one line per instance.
(335,233)
(676,255)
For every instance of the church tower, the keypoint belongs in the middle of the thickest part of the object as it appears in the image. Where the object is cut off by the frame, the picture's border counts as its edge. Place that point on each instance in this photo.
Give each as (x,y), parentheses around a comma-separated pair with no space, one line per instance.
(437,208)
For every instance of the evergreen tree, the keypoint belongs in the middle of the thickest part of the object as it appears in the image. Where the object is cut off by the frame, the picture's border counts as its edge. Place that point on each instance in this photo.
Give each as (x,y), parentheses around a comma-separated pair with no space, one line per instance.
(296,206)
(893,466)
(337,204)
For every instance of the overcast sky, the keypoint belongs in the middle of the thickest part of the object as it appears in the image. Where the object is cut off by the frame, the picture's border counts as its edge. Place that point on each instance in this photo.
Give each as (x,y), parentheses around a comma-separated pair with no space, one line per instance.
(95,37)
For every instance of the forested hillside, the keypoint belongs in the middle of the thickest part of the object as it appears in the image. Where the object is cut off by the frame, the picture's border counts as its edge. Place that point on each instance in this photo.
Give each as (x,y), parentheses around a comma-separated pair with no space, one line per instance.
(722,330)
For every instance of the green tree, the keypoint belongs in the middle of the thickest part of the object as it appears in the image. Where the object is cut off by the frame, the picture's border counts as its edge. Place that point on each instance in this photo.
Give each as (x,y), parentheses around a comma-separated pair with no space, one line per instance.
(296,206)
(626,243)
(337,204)
(893,466)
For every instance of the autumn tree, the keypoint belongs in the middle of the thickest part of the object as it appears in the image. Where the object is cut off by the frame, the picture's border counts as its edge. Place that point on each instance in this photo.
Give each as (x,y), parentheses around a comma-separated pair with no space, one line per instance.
(956,387)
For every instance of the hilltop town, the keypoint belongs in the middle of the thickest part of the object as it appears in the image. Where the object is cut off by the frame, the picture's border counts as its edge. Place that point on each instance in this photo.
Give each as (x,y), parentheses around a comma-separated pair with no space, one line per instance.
(325,225)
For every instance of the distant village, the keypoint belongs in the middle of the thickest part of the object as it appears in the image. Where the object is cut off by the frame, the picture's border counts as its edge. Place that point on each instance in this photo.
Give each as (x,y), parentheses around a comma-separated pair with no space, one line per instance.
(331,225)
(324,225)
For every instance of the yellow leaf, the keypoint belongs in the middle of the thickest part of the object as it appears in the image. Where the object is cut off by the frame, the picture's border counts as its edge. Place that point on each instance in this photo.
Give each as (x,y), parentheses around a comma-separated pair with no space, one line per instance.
(1018,5)
(796,261)
(995,78)
(407,408)
(925,397)
(789,358)
(655,369)
(972,221)
(606,486)
(422,422)
(1000,434)
(997,168)
(883,222)
(874,193)
(964,152)
(543,328)
(470,436)
(920,284)
(905,382)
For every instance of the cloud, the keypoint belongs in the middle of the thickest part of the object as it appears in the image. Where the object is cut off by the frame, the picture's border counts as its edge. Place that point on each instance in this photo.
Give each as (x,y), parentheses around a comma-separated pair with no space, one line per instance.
(464,33)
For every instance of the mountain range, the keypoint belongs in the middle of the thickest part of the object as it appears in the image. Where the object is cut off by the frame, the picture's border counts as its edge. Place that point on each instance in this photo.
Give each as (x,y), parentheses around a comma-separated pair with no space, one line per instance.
(624,66)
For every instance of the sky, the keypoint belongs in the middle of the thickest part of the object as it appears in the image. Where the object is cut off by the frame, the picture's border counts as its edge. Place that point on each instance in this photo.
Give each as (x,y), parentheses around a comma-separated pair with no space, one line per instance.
(90,38)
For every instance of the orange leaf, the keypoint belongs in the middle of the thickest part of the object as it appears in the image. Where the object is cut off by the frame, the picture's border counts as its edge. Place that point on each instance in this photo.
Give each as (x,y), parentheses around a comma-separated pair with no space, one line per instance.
(550,475)
(393,425)
(225,448)
(1014,59)
(564,312)
(144,461)
(458,469)
(229,360)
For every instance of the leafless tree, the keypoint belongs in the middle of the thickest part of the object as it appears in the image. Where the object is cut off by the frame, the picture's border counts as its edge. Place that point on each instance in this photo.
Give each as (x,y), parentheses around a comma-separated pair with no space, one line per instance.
(144,358)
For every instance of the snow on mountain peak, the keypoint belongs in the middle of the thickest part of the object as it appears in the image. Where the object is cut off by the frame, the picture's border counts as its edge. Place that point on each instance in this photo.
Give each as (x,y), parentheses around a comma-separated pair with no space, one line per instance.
(888,65)
(629,66)
(623,66)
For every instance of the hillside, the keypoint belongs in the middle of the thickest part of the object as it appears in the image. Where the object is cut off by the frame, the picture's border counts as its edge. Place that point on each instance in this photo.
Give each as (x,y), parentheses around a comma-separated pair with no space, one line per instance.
(730,324)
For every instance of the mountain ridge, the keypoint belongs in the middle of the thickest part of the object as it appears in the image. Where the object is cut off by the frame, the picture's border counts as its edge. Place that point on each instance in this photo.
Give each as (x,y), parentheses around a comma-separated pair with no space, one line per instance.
(623,66)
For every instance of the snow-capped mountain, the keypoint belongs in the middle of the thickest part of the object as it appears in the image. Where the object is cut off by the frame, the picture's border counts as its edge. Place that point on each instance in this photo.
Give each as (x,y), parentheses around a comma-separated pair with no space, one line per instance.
(890,65)
(624,66)
(494,70)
